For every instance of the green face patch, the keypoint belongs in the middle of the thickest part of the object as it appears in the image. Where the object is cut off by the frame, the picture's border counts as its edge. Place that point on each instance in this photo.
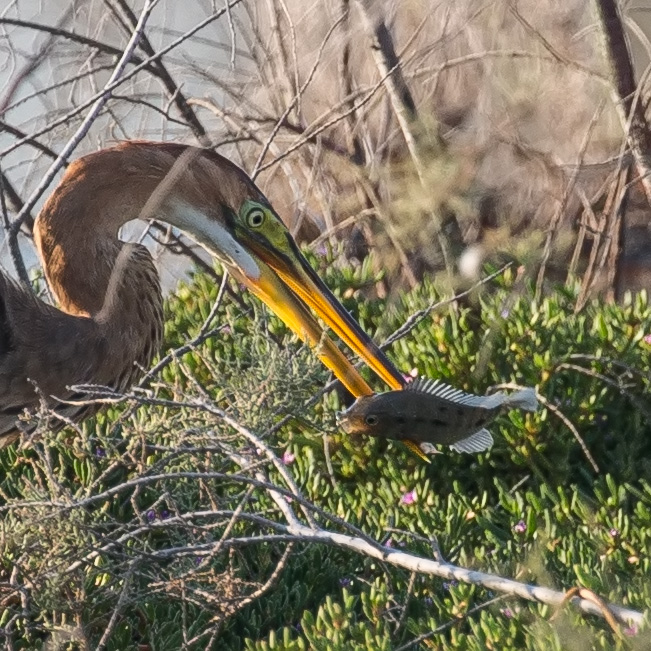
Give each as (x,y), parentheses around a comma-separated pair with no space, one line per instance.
(262,220)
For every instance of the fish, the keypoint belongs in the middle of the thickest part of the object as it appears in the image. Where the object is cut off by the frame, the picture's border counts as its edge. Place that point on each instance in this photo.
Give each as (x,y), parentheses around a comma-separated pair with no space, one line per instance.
(429,412)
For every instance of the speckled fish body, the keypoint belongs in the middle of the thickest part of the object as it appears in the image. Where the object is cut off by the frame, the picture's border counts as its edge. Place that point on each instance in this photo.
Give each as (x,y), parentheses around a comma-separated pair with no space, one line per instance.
(430,412)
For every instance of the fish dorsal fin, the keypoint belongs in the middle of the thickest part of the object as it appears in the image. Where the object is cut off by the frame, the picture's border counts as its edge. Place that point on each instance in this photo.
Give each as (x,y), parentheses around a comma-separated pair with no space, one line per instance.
(477,442)
(445,391)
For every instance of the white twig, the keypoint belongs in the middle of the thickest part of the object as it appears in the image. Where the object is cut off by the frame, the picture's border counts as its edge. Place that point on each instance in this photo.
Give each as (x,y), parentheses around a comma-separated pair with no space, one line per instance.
(453,572)
(231,28)
(296,531)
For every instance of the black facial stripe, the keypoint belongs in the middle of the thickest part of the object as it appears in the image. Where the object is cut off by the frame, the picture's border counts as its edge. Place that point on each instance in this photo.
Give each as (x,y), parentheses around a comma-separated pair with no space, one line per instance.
(230,217)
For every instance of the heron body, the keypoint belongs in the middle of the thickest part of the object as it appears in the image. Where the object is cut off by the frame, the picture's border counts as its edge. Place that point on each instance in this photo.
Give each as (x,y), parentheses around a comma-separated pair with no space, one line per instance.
(109,323)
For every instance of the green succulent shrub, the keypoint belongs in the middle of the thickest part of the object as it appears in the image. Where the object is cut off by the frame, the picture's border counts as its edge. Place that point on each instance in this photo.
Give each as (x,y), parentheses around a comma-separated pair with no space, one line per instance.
(115,525)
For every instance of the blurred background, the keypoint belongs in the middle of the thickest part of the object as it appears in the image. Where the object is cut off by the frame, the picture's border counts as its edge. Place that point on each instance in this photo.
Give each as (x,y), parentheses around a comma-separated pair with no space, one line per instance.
(495,137)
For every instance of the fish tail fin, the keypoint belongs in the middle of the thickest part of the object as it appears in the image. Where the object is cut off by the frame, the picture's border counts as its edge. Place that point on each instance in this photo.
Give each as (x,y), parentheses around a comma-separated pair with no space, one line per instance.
(493,401)
(524,399)
(477,442)
(415,448)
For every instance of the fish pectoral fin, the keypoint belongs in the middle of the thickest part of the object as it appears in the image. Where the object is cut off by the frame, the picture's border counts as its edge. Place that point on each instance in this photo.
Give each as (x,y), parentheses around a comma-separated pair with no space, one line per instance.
(477,442)
(415,448)
(428,448)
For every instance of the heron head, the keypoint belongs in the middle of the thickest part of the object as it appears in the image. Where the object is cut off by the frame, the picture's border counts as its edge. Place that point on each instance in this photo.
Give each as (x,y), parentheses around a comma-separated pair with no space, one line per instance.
(218,205)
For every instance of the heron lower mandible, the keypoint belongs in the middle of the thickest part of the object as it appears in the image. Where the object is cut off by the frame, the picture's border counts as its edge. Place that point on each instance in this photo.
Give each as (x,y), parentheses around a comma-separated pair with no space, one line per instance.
(110,323)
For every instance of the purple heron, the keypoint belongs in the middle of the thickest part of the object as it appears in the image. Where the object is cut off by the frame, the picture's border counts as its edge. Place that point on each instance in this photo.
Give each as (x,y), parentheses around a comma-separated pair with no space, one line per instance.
(109,325)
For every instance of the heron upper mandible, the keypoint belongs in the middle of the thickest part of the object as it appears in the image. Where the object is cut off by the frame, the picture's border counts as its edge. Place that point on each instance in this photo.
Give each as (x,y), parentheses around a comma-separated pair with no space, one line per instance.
(110,322)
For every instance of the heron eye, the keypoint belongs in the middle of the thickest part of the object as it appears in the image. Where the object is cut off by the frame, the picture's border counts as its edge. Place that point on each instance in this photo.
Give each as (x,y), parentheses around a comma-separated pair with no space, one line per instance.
(371,419)
(255,218)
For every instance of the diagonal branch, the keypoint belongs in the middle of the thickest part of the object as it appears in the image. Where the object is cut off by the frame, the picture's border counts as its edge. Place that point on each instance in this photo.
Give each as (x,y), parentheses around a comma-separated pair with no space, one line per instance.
(450,572)
(81,132)
(125,77)
(162,73)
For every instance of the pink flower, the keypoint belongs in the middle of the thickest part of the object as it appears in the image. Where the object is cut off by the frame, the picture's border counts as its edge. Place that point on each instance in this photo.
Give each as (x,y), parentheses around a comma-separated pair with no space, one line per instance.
(647,339)
(288,457)
(409,498)
(507,612)
(614,532)
(631,630)
(521,527)
(411,376)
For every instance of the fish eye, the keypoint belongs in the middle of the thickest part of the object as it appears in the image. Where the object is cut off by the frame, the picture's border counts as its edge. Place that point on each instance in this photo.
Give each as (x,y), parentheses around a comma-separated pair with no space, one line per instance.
(371,419)
(255,217)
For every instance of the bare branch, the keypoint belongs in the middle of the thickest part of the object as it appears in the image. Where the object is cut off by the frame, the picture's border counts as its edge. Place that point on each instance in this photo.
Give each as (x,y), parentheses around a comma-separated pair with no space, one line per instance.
(175,93)
(125,77)
(627,94)
(81,131)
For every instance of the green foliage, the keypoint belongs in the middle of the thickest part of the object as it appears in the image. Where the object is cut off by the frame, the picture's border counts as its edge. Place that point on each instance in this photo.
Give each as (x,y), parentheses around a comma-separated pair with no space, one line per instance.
(533,507)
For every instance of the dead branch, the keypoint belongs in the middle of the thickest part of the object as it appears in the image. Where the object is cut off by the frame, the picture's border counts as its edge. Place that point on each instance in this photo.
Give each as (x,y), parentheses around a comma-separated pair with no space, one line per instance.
(294,530)
(83,128)
(626,93)
(122,79)
(159,69)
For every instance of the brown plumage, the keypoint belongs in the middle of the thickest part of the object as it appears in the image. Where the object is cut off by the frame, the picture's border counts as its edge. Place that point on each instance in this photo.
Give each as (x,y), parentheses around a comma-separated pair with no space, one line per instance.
(109,324)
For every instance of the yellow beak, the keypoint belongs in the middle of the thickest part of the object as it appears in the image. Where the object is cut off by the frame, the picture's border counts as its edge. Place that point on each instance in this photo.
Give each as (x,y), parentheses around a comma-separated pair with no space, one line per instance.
(287,284)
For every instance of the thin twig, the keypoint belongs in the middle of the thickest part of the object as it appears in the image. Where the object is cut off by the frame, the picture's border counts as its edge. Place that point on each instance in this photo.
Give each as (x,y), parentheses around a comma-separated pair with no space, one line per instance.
(117,611)
(159,70)
(567,192)
(413,644)
(27,139)
(125,77)
(85,125)
(414,319)
(566,421)
(258,167)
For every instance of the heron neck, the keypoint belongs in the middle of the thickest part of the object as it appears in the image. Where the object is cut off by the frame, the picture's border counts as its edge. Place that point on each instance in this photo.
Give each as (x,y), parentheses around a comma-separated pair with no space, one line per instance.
(90,271)
(76,234)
